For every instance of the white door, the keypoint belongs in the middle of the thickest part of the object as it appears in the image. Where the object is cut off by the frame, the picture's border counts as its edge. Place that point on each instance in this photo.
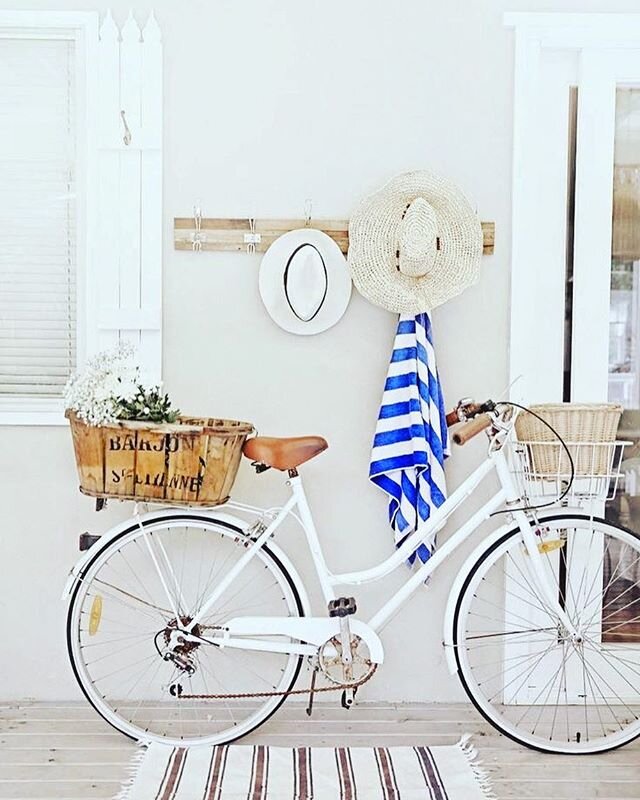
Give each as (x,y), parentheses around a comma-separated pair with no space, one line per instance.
(576,258)
(605,332)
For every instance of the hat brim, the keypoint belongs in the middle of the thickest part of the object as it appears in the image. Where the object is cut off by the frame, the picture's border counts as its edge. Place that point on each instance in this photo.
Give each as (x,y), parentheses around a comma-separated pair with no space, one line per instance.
(272,285)
(373,245)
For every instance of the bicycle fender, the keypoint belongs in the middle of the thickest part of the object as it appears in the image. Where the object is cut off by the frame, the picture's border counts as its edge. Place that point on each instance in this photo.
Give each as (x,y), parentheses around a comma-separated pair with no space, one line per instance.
(79,567)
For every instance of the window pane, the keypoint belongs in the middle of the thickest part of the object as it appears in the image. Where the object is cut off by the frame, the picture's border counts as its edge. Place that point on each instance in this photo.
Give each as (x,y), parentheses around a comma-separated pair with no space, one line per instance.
(621,578)
(37,216)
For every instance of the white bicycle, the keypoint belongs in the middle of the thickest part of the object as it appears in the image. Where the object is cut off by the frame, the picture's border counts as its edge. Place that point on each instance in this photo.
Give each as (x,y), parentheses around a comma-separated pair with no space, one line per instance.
(191,627)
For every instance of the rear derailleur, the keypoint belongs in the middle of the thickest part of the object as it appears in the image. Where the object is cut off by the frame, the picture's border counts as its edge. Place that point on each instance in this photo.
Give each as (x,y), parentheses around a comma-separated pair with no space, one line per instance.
(178,650)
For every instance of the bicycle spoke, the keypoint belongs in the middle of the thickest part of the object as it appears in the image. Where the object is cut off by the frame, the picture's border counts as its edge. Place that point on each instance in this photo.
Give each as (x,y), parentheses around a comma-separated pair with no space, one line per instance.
(592,682)
(498,634)
(548,687)
(556,689)
(526,672)
(121,595)
(628,664)
(584,571)
(562,686)
(595,594)
(104,642)
(518,659)
(510,612)
(125,671)
(616,599)
(617,671)
(542,603)
(477,615)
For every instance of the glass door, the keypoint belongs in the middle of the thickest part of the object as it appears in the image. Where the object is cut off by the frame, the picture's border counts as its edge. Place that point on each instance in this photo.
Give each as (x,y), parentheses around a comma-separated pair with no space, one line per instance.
(621,578)
(604,354)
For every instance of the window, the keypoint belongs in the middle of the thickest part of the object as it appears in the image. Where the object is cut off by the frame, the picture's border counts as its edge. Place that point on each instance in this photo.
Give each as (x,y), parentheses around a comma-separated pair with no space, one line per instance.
(80,201)
(38,216)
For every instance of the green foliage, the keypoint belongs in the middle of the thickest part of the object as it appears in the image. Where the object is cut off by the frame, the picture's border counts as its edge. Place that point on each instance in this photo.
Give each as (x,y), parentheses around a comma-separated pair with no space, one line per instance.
(147,405)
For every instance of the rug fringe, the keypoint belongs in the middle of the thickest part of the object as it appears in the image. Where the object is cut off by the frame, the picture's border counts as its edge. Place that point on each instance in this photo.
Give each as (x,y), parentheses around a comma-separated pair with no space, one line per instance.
(132,770)
(480,774)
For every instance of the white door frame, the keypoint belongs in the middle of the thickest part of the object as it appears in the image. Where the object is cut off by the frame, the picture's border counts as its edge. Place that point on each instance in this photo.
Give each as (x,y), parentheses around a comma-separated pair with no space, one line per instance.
(540,164)
(554,52)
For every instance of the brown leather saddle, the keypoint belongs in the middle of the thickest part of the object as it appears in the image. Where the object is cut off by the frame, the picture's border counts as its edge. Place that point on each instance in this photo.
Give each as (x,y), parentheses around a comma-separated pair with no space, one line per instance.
(284,453)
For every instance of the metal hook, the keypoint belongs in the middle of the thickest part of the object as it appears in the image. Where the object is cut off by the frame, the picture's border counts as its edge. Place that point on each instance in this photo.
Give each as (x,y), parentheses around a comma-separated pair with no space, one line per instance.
(197,237)
(127,133)
(252,238)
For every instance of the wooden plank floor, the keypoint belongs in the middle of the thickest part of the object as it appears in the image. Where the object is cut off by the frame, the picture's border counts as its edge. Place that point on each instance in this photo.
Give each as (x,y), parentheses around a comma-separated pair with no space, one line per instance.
(65,751)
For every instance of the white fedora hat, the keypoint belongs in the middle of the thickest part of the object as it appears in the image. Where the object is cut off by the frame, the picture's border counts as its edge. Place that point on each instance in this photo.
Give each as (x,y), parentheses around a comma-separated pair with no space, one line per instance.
(414,244)
(304,281)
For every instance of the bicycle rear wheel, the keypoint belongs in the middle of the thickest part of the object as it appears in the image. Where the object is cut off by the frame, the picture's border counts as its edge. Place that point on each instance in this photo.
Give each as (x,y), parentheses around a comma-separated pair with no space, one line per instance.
(519,667)
(120,623)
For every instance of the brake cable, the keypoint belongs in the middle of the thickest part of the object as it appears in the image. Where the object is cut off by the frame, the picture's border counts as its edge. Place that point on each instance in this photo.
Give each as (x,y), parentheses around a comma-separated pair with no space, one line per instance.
(564,446)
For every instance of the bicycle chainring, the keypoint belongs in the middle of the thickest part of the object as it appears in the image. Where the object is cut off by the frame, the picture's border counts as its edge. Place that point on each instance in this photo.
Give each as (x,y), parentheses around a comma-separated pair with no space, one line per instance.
(330,660)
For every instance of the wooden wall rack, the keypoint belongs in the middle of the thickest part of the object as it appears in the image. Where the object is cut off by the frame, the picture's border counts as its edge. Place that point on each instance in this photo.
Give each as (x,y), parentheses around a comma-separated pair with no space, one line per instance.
(234,235)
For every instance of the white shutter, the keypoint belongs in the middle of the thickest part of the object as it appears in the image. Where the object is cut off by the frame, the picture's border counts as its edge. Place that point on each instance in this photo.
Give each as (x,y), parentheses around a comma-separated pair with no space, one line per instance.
(128,254)
(37,216)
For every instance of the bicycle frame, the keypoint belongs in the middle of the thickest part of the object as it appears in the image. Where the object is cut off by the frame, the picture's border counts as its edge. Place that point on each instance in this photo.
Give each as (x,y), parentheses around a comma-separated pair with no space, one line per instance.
(496,463)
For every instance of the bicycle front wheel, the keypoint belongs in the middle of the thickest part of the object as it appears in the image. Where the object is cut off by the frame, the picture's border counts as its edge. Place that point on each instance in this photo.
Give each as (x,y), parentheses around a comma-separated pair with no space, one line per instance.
(528,676)
(120,623)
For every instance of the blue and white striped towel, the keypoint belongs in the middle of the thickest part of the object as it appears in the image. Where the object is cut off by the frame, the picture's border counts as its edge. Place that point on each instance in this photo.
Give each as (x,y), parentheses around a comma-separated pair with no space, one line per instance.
(411,441)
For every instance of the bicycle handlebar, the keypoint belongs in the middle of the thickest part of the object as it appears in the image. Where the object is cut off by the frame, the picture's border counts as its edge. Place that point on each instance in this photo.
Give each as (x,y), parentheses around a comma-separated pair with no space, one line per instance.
(468,409)
(472,428)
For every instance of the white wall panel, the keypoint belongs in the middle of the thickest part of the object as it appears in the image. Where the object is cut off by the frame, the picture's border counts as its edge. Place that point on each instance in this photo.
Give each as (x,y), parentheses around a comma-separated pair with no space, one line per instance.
(130,277)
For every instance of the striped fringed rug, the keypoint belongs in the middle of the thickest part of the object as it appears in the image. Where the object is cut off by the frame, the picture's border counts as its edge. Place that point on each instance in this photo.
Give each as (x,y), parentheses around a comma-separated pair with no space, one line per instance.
(307,773)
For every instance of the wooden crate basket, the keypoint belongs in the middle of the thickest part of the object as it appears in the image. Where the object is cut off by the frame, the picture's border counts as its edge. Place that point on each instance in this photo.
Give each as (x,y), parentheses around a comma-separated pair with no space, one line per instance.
(191,462)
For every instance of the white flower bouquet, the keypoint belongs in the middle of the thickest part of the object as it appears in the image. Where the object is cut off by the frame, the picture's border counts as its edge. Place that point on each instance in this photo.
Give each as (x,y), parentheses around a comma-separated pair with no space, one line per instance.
(110,388)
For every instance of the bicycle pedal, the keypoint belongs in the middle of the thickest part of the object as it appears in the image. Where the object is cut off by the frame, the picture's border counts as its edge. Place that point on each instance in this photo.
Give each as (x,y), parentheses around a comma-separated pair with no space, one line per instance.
(348,696)
(342,607)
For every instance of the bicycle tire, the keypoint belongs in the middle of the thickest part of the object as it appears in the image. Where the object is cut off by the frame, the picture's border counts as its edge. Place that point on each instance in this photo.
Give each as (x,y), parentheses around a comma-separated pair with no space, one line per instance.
(462,669)
(72,619)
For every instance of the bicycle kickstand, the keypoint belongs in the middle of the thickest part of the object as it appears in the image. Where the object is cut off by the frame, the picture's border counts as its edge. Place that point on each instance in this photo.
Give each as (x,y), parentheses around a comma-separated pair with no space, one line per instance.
(314,675)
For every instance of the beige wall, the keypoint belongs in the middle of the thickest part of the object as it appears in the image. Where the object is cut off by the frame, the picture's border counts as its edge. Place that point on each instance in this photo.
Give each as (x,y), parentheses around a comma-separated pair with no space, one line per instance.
(268,102)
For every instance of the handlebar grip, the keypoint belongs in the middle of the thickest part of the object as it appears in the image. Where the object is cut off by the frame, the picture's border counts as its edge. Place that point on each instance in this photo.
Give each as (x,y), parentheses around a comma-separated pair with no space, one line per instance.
(472,428)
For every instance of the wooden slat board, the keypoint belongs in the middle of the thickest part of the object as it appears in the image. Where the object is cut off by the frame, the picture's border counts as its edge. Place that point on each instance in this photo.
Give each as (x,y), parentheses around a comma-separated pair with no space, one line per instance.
(64,750)
(227,235)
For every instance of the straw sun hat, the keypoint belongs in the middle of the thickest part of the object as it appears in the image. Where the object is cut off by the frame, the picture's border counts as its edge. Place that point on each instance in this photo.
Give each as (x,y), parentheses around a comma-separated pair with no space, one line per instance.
(414,244)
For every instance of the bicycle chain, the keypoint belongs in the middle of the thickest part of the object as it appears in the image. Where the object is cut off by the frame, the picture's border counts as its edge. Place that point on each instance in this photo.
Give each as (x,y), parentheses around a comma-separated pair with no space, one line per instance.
(242,695)
(310,690)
